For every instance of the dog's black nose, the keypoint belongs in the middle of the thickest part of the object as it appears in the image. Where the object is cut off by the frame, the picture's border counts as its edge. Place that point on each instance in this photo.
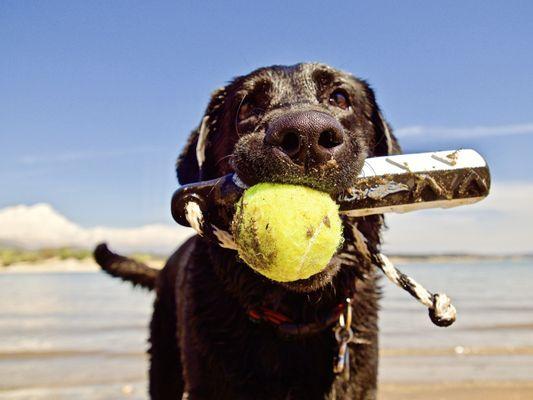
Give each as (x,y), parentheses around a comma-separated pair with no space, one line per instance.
(307,137)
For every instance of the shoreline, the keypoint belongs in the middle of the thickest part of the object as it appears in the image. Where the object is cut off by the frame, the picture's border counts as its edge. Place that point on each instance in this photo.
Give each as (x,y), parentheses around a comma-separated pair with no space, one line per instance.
(52,265)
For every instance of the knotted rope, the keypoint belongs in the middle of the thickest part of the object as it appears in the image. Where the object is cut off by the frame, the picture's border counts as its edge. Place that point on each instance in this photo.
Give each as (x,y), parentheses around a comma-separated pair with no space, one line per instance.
(441,310)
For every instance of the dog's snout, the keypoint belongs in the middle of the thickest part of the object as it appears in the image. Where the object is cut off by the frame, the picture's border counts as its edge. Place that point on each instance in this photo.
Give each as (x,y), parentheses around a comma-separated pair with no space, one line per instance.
(310,137)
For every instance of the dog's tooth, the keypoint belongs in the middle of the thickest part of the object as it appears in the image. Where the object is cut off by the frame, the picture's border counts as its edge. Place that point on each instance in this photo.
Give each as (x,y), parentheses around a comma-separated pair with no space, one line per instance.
(237,181)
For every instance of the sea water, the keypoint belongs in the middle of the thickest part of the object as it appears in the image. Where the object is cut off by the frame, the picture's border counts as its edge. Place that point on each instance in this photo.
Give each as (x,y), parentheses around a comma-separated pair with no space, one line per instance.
(84,335)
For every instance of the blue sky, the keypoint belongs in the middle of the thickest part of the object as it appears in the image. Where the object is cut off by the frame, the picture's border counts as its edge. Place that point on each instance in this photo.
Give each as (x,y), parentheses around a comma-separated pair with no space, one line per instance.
(97,98)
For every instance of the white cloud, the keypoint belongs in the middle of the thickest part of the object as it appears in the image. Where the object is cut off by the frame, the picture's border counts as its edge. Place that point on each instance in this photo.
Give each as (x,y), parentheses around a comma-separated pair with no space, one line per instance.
(468,132)
(500,224)
(40,226)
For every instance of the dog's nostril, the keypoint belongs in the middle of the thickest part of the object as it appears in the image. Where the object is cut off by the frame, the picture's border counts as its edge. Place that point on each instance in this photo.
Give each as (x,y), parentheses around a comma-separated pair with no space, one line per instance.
(329,139)
(290,143)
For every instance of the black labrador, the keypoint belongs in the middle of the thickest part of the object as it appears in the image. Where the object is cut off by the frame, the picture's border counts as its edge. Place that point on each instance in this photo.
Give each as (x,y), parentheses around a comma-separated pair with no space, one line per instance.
(217,327)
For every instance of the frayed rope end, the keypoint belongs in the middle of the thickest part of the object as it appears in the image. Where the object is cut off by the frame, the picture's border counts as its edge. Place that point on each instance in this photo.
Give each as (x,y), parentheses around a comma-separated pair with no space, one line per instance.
(443,313)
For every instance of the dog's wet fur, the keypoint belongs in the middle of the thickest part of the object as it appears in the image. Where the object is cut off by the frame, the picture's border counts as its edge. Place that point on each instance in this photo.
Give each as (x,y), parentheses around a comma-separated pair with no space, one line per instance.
(202,340)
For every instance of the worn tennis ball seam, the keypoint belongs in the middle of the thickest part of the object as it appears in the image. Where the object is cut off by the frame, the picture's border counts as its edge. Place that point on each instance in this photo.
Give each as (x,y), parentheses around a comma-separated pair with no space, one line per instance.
(312,241)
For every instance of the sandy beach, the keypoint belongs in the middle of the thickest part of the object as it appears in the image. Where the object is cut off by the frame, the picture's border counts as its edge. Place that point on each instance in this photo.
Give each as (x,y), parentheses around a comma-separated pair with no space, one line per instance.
(491,390)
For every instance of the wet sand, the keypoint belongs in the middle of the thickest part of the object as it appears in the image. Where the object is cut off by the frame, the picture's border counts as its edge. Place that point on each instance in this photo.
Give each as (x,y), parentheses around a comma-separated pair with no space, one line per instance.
(493,390)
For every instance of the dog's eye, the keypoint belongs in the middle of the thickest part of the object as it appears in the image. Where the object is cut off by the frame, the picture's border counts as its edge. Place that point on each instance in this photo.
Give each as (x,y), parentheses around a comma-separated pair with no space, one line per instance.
(339,98)
(246,110)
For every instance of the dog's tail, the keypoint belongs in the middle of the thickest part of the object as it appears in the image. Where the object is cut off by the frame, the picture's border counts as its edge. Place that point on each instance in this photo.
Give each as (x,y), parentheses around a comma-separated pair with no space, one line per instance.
(125,268)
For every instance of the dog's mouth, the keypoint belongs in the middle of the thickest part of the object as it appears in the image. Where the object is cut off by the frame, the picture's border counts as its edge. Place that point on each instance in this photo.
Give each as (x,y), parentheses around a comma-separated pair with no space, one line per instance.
(316,281)
(306,147)
(334,177)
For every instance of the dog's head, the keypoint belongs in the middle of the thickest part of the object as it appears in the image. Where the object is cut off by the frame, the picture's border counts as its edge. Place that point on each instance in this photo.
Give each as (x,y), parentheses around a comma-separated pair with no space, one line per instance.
(306,124)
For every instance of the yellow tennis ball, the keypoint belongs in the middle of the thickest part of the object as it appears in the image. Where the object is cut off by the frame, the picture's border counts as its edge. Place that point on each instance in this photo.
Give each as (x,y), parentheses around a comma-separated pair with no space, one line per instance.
(286,232)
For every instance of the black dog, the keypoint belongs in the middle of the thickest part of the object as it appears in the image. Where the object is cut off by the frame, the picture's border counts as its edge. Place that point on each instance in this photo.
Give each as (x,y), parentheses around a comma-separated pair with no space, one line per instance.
(221,331)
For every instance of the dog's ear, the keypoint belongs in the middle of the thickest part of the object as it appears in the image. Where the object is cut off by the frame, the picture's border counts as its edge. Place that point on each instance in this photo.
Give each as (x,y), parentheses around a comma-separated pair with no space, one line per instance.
(187,168)
(385,143)
(194,160)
